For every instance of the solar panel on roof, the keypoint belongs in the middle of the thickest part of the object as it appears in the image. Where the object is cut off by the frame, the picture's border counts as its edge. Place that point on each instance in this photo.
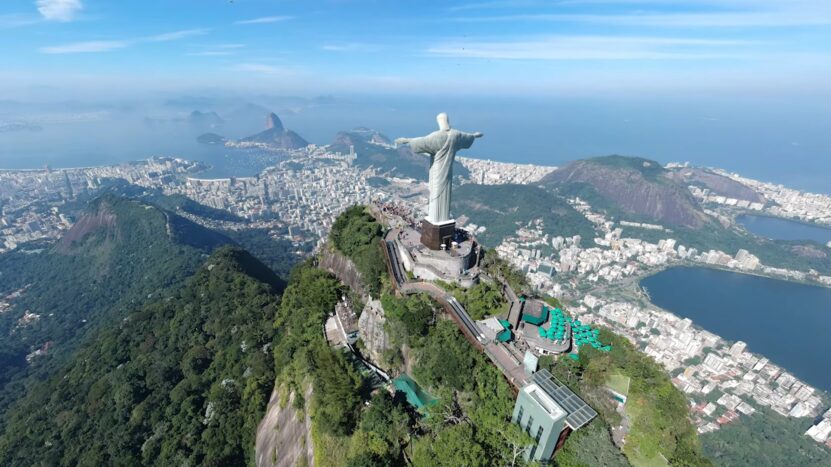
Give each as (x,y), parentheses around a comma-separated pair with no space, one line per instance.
(579,413)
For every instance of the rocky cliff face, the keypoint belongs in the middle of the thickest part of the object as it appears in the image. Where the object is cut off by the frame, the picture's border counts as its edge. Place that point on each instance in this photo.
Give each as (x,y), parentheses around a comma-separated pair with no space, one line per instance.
(718,184)
(101,219)
(272,122)
(284,439)
(634,186)
(344,269)
(371,330)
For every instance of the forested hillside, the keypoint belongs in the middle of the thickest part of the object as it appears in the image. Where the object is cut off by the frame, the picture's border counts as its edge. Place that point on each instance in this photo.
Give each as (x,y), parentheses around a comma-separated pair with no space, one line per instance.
(119,254)
(182,381)
(505,208)
(357,235)
(657,412)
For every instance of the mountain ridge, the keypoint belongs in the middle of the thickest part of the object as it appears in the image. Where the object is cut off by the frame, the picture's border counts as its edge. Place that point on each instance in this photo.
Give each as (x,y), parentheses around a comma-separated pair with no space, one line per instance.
(635,187)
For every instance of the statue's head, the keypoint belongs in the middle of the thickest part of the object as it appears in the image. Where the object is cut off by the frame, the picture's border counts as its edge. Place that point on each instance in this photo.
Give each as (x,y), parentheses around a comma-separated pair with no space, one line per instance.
(444,121)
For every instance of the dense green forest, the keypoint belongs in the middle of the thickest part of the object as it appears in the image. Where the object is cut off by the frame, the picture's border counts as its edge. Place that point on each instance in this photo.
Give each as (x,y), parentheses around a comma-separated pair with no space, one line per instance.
(590,446)
(765,439)
(120,254)
(505,208)
(279,254)
(470,424)
(342,406)
(357,234)
(657,410)
(181,381)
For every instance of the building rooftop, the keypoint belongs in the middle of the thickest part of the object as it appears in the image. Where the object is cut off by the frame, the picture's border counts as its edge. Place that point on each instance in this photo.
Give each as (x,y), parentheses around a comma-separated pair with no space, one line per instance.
(544,400)
(579,413)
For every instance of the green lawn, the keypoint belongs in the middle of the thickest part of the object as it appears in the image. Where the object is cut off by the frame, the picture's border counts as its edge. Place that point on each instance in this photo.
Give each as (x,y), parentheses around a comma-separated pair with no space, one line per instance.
(619,383)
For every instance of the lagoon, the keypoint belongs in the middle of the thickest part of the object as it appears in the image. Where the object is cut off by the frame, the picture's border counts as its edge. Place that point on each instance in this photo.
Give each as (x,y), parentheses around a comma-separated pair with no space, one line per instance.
(777,228)
(788,323)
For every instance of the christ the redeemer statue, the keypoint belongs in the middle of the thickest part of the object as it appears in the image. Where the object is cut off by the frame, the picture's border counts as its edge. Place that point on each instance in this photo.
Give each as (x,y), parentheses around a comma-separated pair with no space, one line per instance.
(442,146)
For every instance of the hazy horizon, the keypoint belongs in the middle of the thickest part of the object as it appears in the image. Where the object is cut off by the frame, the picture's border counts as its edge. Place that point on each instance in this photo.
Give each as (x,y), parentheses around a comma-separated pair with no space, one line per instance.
(757,139)
(738,84)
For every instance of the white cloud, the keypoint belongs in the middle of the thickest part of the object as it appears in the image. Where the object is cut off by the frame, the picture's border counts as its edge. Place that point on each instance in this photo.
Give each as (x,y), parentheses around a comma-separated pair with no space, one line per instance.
(350,47)
(593,48)
(692,14)
(263,68)
(59,10)
(672,20)
(211,53)
(108,45)
(85,47)
(176,35)
(265,19)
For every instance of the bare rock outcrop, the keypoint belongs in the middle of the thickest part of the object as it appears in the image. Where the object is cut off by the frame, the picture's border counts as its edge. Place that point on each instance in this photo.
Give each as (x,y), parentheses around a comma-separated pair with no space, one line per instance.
(371,330)
(344,269)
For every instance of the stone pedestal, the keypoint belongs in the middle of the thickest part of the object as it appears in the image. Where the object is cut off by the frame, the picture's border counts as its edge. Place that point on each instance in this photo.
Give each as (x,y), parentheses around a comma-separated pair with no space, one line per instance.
(433,236)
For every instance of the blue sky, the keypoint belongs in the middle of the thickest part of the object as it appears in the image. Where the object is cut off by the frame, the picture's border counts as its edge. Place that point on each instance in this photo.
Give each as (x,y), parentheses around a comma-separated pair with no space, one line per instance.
(568,47)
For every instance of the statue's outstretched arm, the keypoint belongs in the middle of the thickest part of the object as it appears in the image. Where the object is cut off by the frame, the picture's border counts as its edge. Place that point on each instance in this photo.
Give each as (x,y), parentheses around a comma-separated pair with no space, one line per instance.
(422,144)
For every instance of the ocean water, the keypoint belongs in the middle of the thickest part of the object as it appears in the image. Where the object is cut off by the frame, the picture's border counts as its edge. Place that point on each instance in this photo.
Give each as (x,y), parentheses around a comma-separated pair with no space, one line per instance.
(788,323)
(780,141)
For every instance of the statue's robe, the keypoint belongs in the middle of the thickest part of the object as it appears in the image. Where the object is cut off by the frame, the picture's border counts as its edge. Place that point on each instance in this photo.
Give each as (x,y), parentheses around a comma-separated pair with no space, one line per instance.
(441,145)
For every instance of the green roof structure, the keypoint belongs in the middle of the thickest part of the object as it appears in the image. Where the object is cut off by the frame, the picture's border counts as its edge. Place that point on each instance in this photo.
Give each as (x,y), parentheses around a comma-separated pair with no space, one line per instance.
(505,335)
(416,396)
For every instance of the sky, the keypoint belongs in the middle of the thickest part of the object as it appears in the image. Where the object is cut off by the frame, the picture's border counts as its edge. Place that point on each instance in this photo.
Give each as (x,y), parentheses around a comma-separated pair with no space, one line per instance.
(504,48)
(739,84)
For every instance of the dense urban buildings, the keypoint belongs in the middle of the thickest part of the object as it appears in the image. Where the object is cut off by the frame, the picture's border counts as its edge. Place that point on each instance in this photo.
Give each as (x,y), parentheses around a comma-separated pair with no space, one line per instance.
(307,188)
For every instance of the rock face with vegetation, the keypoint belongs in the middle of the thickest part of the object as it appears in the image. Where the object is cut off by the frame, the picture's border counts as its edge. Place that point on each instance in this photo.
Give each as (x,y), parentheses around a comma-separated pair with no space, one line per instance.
(276,135)
(340,266)
(180,381)
(635,188)
(718,184)
(357,235)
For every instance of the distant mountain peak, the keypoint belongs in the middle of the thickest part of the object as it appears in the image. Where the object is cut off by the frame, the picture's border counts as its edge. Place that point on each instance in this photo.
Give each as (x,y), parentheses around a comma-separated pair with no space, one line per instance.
(640,188)
(277,135)
(112,220)
(205,119)
(272,122)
